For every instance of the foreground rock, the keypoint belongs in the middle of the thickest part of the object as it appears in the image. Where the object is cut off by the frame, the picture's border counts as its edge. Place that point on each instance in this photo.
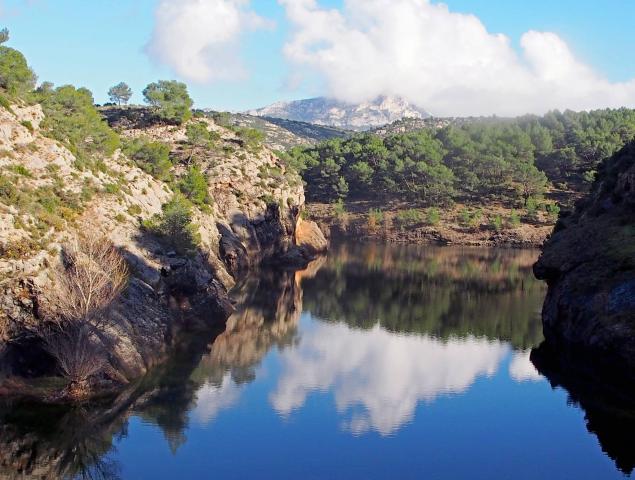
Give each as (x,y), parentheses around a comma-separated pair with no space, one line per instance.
(47,197)
(589,266)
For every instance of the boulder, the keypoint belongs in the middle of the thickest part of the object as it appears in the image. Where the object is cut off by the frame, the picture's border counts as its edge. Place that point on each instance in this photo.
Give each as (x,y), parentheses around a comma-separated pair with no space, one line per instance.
(309,237)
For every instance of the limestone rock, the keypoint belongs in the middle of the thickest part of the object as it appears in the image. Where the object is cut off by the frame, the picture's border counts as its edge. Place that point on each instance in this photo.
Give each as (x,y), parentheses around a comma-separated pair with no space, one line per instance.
(310,238)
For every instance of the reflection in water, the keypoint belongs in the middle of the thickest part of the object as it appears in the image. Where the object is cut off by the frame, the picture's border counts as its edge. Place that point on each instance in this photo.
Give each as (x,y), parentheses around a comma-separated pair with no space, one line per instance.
(374,331)
(604,395)
(522,370)
(385,374)
(440,292)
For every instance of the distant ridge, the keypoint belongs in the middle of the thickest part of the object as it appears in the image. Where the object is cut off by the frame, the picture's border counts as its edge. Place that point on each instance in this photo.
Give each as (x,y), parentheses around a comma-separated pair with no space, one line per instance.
(334,113)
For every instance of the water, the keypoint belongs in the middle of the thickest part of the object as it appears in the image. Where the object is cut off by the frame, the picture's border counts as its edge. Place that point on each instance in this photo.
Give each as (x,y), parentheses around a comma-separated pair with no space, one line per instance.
(377,362)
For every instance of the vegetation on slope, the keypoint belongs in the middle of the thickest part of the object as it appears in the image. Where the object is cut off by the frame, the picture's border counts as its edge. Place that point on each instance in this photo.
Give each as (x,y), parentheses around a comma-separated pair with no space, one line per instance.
(476,162)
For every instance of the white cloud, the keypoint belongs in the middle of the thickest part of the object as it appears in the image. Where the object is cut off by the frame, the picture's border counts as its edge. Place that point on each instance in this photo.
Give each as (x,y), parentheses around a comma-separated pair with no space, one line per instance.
(199,39)
(445,62)
(385,374)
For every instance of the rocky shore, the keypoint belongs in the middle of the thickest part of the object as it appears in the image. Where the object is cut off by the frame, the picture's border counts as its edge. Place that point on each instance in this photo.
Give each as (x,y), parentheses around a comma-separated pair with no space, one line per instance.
(253,217)
(589,266)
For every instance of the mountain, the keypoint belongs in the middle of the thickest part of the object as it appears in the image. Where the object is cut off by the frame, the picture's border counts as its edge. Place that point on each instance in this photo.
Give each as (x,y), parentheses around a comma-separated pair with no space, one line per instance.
(334,113)
(281,134)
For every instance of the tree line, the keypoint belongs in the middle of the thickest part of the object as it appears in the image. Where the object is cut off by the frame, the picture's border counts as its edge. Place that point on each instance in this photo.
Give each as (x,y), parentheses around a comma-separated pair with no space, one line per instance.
(475,161)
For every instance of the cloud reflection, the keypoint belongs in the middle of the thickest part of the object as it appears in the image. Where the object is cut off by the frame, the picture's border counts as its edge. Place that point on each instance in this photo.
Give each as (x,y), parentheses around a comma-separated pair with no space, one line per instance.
(522,370)
(211,399)
(385,374)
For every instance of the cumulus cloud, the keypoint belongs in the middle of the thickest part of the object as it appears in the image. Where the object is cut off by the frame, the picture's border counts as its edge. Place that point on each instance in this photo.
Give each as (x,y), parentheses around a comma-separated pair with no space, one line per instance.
(199,39)
(380,377)
(443,61)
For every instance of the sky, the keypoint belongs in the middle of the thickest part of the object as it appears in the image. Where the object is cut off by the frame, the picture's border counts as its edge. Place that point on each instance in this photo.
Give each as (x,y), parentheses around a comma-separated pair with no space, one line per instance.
(459,57)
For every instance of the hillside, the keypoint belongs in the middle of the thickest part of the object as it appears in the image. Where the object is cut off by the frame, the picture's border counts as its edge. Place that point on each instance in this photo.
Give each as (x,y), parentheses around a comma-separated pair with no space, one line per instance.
(189,217)
(478,181)
(325,111)
(280,134)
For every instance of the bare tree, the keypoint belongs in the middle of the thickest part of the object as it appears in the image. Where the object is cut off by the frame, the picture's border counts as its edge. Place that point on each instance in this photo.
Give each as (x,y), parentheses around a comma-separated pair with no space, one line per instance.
(91,276)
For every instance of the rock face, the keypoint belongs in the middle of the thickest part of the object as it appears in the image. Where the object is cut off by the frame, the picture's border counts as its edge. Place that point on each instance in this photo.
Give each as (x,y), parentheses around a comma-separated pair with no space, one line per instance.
(589,266)
(310,238)
(252,218)
(326,111)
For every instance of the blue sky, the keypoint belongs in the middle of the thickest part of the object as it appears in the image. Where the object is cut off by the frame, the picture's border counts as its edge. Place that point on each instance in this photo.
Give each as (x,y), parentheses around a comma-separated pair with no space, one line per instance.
(96,43)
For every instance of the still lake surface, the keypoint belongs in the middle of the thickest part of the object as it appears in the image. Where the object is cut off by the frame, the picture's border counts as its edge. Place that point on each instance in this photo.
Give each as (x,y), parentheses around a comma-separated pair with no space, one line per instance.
(376,362)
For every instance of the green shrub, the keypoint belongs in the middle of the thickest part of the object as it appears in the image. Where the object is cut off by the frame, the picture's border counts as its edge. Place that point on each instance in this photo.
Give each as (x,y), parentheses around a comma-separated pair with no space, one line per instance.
(531,207)
(406,218)
(21,170)
(589,176)
(198,135)
(151,157)
(496,222)
(174,226)
(194,186)
(6,104)
(120,217)
(375,218)
(134,210)
(339,208)
(88,192)
(251,137)
(28,125)
(514,219)
(72,119)
(465,217)
(553,211)
(112,188)
(223,119)
(433,216)
(469,218)
(8,192)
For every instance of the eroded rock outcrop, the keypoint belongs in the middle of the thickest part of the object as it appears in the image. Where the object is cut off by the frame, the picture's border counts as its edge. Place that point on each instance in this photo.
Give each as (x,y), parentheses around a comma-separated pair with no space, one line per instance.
(589,266)
(256,204)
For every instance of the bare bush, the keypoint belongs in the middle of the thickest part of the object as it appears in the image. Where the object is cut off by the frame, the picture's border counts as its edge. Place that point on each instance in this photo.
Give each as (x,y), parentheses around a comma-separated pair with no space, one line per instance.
(91,276)
(93,273)
(78,351)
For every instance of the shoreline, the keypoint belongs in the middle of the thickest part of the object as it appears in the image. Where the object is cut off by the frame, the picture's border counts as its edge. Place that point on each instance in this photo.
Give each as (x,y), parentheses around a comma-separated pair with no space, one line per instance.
(356,224)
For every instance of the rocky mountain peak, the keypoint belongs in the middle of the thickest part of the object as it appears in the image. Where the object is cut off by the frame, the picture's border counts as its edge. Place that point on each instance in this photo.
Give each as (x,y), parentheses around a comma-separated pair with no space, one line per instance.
(380,111)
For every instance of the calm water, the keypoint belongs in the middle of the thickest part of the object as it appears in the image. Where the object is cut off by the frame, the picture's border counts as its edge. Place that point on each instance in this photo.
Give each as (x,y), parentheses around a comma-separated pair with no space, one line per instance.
(377,362)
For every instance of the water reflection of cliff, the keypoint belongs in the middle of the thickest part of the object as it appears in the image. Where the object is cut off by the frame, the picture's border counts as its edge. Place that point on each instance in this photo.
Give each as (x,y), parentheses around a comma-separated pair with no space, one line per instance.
(268,309)
(389,329)
(441,292)
(204,376)
(606,397)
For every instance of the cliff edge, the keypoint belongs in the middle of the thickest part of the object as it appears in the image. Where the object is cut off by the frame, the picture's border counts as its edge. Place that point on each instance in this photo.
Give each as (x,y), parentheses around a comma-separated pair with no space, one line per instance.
(589,266)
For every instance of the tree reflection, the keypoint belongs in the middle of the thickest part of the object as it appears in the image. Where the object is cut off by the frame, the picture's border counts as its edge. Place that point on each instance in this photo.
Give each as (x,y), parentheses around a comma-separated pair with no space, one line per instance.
(442,292)
(394,327)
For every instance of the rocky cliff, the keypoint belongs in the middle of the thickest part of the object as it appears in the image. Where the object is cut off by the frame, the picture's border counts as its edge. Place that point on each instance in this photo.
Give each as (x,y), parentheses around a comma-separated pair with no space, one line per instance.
(48,195)
(589,266)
